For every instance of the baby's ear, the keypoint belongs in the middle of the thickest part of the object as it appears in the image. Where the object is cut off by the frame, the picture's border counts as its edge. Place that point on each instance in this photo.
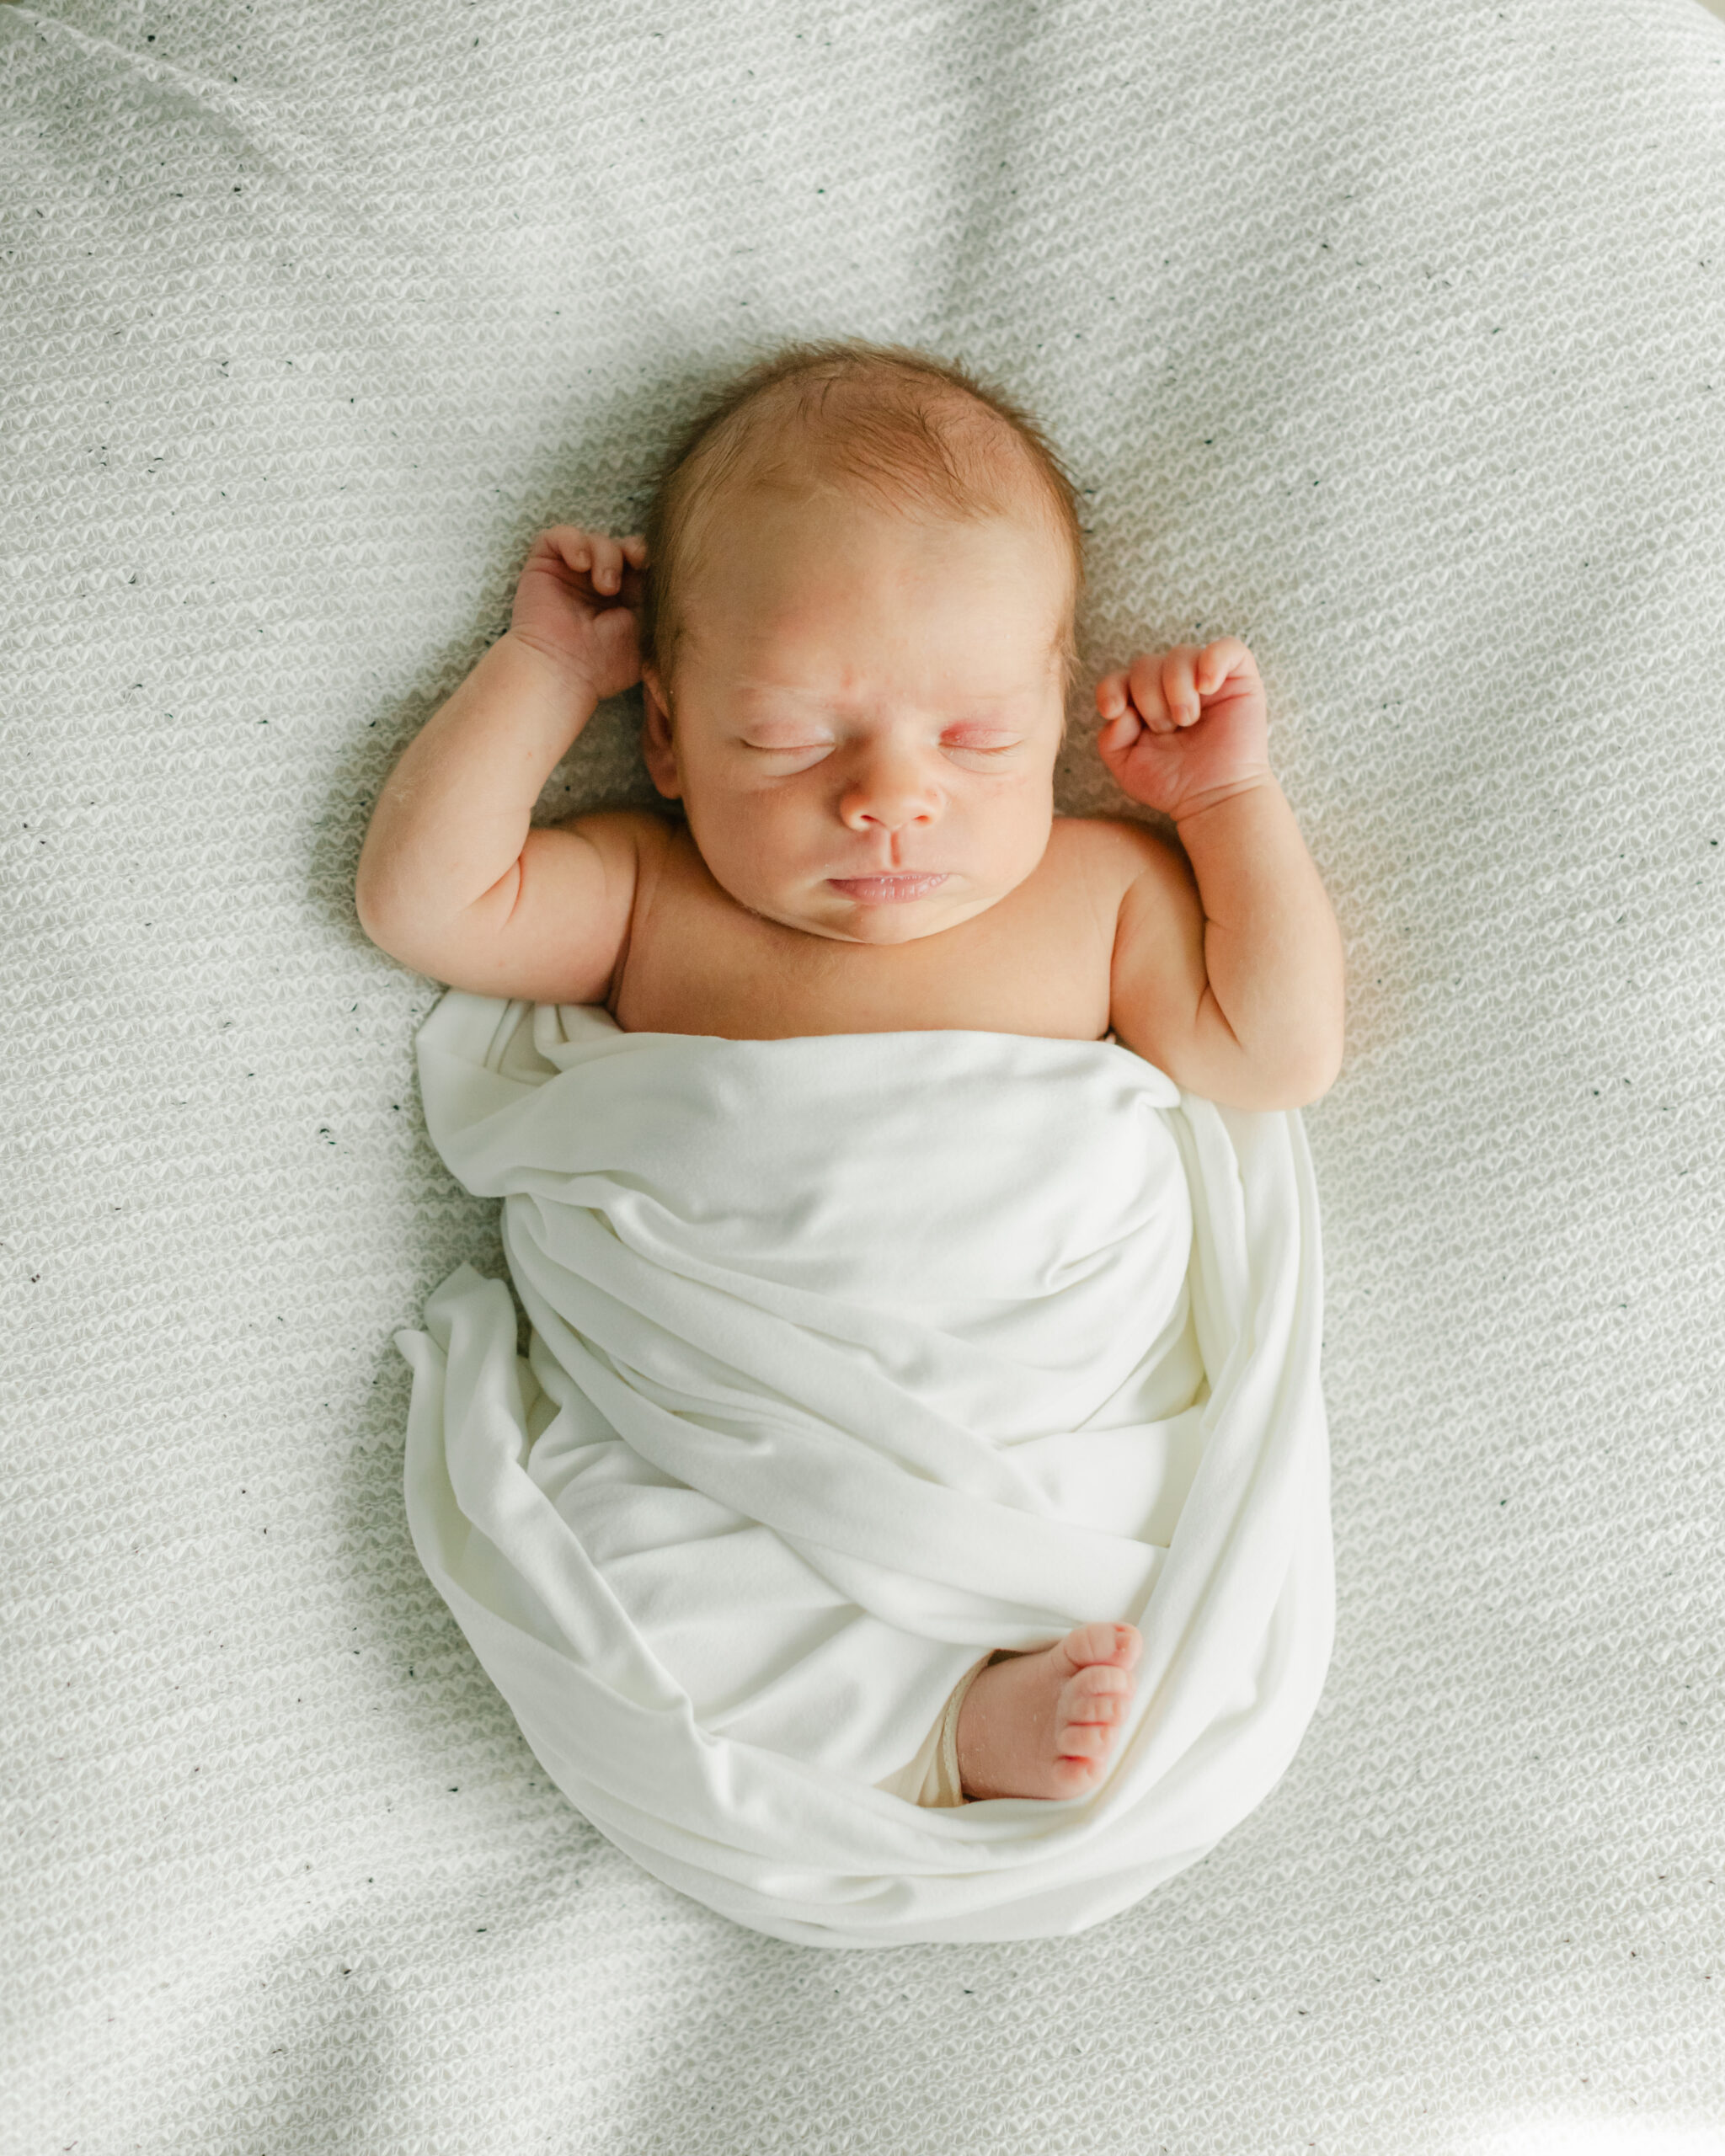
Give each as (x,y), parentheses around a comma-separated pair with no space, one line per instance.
(657,746)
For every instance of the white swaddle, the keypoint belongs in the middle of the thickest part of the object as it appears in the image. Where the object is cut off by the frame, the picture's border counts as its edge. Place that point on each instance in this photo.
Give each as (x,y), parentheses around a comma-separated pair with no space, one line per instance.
(854,1356)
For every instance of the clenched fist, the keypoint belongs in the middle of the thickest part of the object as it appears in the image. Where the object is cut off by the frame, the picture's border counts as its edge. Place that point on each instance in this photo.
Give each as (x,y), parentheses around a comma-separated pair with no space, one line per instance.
(576,602)
(1183,732)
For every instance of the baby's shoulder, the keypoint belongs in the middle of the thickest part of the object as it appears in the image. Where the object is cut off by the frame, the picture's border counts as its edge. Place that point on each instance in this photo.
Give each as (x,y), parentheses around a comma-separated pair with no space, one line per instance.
(1108,853)
(637,829)
(632,843)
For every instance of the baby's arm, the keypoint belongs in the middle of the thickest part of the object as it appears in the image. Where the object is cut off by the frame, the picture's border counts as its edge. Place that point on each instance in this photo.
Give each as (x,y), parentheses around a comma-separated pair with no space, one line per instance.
(1233,987)
(453,880)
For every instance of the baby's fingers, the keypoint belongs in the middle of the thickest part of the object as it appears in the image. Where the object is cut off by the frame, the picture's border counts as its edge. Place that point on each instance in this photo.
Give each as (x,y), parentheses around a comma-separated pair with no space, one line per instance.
(1113,704)
(1217,661)
(592,554)
(1179,685)
(617,564)
(607,562)
(1147,680)
(1114,694)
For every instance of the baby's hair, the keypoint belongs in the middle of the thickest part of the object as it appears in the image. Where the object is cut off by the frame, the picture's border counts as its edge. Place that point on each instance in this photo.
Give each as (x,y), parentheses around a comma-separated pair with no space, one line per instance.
(913,436)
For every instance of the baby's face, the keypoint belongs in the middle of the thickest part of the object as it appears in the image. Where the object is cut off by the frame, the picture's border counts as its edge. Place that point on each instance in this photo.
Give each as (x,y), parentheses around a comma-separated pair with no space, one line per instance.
(866,713)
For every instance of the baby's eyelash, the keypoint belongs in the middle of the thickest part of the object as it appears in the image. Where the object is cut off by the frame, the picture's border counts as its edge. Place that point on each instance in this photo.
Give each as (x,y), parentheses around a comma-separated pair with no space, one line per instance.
(812,748)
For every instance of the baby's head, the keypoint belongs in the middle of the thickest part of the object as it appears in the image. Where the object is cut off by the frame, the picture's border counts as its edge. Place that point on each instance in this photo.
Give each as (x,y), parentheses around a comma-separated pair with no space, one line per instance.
(858,636)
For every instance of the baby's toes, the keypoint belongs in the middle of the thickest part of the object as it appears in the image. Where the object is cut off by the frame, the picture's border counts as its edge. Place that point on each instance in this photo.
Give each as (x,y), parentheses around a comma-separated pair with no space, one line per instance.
(1092,1706)
(1097,1694)
(1083,1740)
(1089,1644)
(1074,1777)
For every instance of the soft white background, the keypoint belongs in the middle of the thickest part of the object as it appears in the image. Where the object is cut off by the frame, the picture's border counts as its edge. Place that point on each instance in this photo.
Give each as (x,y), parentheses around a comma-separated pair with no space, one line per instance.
(1390,337)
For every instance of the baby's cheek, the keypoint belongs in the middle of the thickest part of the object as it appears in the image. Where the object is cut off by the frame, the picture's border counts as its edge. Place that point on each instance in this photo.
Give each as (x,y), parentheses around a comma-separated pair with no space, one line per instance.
(754,839)
(1011,819)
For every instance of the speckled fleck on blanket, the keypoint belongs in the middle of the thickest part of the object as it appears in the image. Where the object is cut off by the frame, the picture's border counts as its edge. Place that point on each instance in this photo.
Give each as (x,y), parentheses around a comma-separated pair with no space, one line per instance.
(1387,337)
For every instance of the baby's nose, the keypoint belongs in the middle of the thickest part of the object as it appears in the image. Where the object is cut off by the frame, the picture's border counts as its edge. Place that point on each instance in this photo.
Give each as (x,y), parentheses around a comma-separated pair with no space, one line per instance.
(890,792)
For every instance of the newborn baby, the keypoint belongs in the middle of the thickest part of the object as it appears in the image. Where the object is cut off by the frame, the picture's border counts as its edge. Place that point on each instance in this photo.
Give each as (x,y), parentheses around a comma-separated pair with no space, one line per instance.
(853,612)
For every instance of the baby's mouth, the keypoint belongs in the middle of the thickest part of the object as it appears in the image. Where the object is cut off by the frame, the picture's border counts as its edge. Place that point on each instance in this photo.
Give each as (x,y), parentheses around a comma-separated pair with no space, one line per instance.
(887,889)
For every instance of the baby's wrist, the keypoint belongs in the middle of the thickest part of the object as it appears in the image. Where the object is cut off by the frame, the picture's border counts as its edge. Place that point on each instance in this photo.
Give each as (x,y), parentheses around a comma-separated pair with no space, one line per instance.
(1205,805)
(561,671)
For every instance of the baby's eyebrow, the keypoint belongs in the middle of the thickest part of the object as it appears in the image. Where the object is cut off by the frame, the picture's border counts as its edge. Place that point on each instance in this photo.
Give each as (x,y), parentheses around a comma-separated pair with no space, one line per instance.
(970,699)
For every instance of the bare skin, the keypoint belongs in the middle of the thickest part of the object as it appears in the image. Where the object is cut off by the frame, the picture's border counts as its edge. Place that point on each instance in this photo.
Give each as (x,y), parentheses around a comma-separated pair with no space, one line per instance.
(1045,1724)
(862,730)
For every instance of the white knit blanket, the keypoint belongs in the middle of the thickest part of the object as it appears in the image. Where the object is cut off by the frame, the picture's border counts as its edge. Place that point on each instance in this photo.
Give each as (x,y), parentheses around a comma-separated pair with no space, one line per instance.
(1387,337)
(852,1356)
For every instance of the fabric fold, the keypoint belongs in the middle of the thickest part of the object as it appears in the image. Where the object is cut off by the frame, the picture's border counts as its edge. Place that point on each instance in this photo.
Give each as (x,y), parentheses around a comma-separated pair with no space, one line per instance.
(852,1359)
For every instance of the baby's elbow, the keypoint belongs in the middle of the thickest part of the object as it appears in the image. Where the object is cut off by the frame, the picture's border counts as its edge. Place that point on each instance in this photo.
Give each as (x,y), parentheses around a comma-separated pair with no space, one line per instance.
(388,927)
(373,916)
(1310,1075)
(1295,1078)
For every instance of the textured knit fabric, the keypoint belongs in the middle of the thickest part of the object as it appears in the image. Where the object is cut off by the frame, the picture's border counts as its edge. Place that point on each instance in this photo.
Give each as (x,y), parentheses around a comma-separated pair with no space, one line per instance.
(1387,336)
(850,1355)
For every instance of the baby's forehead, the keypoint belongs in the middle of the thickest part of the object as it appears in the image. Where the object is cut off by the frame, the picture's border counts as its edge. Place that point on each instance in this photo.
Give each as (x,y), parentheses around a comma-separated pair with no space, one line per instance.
(864,440)
(815,503)
(809,469)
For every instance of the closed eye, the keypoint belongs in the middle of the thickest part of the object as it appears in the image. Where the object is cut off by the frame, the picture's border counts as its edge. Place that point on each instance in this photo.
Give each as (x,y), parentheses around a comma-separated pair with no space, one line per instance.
(806,748)
(988,747)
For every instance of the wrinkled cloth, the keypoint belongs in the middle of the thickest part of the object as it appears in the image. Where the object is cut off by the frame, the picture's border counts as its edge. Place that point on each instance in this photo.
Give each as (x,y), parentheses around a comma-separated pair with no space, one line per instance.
(853,1359)
(932,1775)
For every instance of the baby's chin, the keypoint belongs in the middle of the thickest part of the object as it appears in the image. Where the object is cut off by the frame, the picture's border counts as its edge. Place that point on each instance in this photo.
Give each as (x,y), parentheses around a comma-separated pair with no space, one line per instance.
(842,918)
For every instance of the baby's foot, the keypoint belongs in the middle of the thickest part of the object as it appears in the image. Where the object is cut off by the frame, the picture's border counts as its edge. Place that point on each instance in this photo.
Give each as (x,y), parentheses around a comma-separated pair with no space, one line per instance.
(1045,1724)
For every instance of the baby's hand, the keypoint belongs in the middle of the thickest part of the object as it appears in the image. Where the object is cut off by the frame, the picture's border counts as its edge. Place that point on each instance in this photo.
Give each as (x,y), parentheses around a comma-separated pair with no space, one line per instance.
(576,602)
(1187,730)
